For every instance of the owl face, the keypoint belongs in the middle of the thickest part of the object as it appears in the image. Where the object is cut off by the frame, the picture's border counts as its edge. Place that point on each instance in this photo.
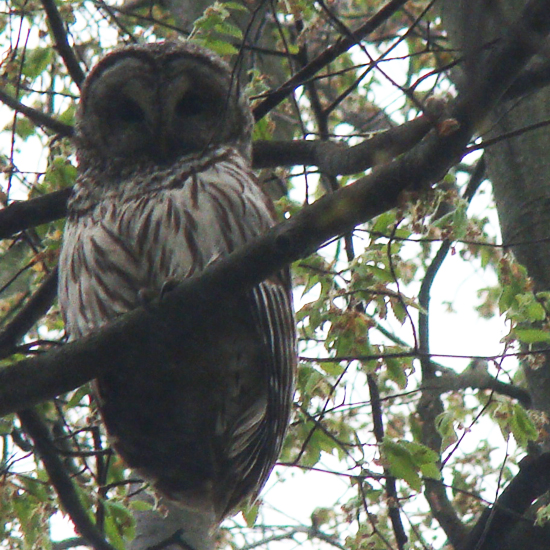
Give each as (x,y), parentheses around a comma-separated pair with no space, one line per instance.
(156,103)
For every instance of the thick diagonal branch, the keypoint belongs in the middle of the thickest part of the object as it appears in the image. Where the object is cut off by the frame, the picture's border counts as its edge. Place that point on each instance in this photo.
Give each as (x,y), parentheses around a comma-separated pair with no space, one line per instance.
(331,158)
(31,381)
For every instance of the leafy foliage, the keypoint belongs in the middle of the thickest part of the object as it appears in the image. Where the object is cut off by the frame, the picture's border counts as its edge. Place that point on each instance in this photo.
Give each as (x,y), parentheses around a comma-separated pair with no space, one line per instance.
(360,382)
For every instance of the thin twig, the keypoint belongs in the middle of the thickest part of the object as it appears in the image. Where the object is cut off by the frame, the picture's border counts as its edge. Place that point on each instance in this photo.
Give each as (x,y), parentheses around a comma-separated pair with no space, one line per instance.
(298,529)
(68,496)
(330,54)
(57,25)
(37,117)
(30,313)
(391,487)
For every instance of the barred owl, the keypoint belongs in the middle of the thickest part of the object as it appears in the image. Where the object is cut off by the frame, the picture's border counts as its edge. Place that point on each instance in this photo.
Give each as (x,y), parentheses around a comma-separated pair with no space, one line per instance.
(165,188)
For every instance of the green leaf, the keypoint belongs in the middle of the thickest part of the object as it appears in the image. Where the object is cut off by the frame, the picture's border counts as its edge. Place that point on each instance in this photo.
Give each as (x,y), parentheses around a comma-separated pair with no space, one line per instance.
(36,488)
(208,22)
(380,274)
(444,424)
(77,395)
(119,523)
(293,49)
(543,515)
(225,27)
(262,130)
(460,220)
(535,312)
(24,128)
(36,61)
(235,6)
(310,379)
(522,426)
(6,424)
(396,372)
(219,46)
(407,459)
(401,463)
(250,514)
(60,173)
(532,335)
(420,453)
(332,368)
(430,470)
(67,116)
(383,223)
(140,505)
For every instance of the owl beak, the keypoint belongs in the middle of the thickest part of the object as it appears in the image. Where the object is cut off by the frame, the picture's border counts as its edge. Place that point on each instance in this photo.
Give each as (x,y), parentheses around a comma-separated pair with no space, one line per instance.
(163,146)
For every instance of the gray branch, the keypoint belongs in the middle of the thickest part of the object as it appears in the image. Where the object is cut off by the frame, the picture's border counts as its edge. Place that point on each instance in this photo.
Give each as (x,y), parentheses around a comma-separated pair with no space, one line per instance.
(31,381)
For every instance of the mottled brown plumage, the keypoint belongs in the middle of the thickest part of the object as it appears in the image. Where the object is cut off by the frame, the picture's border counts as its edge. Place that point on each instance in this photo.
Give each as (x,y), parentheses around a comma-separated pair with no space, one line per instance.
(165,187)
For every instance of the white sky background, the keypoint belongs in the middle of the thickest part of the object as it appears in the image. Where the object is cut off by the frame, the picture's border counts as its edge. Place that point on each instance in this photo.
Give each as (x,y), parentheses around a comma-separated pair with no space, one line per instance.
(459,332)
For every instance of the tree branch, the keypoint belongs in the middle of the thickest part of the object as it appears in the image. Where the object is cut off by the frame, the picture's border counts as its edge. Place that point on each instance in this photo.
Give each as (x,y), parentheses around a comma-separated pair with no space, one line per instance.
(67,544)
(331,158)
(57,26)
(37,117)
(22,215)
(496,522)
(531,80)
(430,405)
(476,378)
(311,532)
(322,60)
(39,433)
(339,159)
(140,332)
(30,313)
(391,488)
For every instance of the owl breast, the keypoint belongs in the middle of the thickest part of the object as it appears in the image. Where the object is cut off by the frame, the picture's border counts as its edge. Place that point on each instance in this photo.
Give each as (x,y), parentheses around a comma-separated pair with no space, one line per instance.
(137,236)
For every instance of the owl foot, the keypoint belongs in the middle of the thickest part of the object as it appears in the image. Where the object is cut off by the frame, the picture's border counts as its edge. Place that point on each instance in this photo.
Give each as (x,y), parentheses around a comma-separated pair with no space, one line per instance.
(168,285)
(176,539)
(146,295)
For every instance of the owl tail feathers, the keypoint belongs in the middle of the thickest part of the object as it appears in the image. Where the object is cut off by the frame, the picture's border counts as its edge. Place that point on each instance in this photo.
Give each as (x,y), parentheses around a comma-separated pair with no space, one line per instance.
(197,495)
(171,526)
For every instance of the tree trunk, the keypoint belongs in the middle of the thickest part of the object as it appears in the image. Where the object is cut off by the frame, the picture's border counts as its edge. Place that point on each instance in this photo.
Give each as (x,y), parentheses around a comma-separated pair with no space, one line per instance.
(519,170)
(519,167)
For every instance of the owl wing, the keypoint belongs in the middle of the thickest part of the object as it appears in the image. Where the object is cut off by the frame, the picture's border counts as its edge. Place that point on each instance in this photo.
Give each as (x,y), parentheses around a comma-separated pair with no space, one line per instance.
(257,440)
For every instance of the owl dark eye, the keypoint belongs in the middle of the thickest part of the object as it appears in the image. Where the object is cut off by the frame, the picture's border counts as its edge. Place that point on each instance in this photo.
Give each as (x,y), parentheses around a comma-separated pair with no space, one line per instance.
(129,111)
(192,104)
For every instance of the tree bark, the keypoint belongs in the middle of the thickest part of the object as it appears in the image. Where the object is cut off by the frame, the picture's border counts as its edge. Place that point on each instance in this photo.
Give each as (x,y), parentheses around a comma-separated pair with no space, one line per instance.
(518,167)
(519,171)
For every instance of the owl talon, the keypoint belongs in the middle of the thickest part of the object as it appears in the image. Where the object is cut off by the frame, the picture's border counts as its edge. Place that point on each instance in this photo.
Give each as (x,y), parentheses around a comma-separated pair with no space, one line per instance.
(145,296)
(215,258)
(168,285)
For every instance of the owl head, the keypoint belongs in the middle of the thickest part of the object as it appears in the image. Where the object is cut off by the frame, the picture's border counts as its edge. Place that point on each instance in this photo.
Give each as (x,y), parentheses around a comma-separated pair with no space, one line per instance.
(153,104)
